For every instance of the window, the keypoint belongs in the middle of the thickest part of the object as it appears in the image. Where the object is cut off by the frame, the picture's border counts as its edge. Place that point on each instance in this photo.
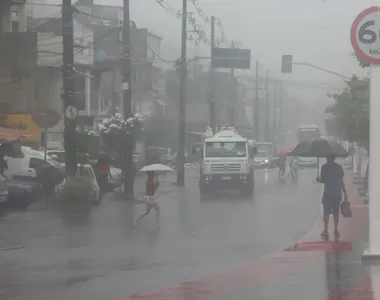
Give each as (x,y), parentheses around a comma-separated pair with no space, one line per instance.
(226,149)
(35,163)
(262,153)
(86,171)
(15,14)
(59,156)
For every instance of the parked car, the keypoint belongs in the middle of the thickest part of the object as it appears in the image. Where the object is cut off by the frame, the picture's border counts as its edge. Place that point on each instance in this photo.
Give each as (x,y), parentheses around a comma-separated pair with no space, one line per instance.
(85,170)
(23,193)
(27,165)
(57,155)
(3,191)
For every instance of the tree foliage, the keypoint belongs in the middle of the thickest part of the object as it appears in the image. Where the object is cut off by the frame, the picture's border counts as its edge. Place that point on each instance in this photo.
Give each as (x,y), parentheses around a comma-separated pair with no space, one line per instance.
(117,133)
(87,145)
(361,62)
(349,114)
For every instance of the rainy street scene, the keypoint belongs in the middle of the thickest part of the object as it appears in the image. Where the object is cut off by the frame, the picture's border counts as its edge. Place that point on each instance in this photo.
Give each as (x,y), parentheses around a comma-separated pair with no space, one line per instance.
(189,149)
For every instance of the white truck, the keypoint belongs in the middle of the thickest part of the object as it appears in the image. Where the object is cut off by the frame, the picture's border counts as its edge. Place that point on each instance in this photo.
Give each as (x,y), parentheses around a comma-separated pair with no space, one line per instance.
(227,163)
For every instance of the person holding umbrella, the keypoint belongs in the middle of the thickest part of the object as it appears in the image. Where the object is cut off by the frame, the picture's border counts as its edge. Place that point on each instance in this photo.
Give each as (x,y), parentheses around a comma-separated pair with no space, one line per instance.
(151,186)
(282,160)
(332,177)
(150,198)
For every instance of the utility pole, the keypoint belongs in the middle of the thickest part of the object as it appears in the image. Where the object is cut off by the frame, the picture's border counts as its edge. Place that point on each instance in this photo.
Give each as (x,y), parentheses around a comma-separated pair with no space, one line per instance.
(267,106)
(281,110)
(274,121)
(211,96)
(127,101)
(69,103)
(231,112)
(182,101)
(255,106)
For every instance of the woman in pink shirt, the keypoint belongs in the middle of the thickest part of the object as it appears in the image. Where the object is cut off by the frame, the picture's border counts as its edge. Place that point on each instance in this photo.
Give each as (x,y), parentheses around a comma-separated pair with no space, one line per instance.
(150,199)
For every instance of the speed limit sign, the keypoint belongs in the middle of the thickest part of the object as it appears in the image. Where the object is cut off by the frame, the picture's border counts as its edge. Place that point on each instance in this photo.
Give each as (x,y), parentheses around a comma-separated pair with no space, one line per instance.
(365,35)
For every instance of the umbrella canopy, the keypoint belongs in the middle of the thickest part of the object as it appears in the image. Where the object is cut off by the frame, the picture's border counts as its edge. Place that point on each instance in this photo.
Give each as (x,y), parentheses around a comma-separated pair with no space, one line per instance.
(156,168)
(285,152)
(319,147)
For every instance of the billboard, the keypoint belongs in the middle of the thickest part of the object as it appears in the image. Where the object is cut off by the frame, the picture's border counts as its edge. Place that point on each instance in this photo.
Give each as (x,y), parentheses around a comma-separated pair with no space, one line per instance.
(231,58)
(31,131)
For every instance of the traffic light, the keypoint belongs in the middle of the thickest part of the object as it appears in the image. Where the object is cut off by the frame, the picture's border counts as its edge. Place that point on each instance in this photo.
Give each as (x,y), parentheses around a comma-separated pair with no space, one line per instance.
(287,64)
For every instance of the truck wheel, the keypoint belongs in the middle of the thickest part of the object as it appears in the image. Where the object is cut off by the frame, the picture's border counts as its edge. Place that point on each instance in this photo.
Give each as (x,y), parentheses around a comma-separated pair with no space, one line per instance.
(248,189)
(202,188)
(96,201)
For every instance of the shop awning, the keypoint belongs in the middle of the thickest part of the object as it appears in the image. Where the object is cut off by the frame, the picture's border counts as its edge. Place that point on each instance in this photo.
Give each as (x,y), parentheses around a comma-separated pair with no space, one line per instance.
(10,135)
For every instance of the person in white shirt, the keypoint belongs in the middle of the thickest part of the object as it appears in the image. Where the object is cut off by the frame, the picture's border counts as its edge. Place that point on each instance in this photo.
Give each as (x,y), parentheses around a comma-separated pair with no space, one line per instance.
(293,166)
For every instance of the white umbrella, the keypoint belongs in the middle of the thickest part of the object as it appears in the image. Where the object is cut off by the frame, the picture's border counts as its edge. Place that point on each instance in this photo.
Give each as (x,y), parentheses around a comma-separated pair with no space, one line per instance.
(156,168)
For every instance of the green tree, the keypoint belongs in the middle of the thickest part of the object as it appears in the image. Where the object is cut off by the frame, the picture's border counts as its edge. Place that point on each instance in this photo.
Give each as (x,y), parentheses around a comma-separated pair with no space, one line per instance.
(361,62)
(349,114)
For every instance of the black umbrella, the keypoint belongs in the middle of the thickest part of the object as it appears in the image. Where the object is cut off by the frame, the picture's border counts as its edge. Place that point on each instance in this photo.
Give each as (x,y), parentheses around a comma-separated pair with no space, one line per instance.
(319,147)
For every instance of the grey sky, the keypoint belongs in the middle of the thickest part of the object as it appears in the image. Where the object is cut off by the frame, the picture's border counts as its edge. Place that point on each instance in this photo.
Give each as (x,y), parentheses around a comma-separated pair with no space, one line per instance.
(314,31)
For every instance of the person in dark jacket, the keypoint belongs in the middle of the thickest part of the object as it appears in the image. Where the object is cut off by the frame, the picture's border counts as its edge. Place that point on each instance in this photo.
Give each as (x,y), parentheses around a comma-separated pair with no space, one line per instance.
(332,177)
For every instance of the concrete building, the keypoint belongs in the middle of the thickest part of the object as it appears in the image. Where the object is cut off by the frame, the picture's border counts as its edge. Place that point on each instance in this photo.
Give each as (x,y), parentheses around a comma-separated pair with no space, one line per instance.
(106,23)
(31,61)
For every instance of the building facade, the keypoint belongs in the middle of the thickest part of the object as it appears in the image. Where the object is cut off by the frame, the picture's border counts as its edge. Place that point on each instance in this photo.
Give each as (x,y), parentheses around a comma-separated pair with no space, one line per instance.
(109,47)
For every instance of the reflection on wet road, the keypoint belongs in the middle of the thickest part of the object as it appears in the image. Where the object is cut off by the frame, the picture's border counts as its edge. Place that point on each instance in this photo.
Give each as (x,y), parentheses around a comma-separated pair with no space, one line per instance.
(43,255)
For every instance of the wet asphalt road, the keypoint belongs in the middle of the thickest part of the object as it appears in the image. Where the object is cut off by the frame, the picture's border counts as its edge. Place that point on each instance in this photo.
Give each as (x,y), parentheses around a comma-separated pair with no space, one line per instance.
(44,256)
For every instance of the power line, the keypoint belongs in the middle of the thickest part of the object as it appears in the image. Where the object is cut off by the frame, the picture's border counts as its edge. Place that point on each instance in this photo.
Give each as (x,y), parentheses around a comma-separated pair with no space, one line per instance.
(91,44)
(159,57)
(169,9)
(44,21)
(76,10)
(200,11)
(134,25)
(37,4)
(196,28)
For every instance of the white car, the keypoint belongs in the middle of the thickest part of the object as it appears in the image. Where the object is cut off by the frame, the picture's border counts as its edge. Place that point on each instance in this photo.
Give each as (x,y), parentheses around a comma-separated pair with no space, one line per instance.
(57,155)
(86,170)
(261,159)
(307,162)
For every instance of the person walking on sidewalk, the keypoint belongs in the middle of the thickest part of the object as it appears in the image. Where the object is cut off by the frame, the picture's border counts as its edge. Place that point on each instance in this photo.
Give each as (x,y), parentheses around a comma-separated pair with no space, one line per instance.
(332,177)
(150,199)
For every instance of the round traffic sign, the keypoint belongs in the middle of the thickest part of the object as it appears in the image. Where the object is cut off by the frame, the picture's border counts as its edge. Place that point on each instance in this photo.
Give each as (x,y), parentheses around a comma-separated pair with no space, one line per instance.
(365,35)
(71,112)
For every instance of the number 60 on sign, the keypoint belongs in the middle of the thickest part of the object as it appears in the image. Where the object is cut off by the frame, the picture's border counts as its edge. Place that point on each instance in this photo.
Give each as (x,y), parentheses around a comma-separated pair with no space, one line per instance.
(365,35)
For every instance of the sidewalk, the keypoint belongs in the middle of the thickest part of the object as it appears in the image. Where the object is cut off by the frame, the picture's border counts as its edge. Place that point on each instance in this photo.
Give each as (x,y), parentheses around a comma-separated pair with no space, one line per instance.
(311,269)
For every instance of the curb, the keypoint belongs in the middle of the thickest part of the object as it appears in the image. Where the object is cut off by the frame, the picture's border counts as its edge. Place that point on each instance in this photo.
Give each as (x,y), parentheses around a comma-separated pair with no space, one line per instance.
(318,222)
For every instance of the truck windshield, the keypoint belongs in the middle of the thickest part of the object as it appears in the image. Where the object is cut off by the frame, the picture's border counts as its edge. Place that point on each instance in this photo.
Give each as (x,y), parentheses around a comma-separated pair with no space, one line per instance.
(225,149)
(262,153)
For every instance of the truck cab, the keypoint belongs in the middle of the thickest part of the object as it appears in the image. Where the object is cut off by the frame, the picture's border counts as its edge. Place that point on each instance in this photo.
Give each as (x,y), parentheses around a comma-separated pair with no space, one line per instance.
(227,163)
